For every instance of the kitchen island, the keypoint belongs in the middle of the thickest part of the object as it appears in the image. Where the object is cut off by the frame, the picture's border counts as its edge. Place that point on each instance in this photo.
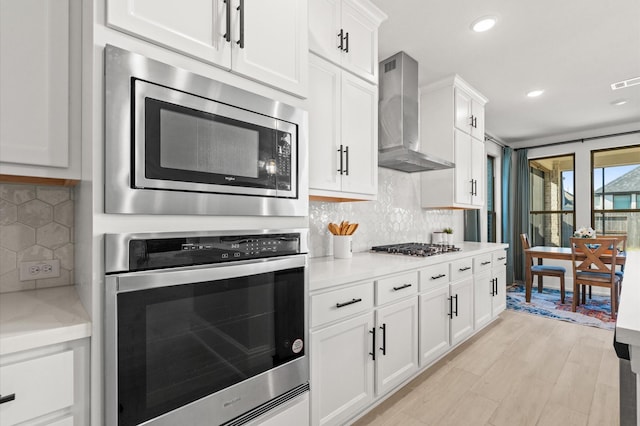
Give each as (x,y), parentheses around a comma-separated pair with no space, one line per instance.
(628,331)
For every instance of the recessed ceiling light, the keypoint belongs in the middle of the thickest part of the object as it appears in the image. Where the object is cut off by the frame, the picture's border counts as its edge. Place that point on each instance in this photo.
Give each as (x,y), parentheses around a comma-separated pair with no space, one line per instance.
(619,102)
(483,24)
(535,93)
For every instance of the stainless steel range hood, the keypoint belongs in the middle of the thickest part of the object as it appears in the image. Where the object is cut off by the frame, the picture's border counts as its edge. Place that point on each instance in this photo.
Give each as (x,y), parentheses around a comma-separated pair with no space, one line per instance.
(398,138)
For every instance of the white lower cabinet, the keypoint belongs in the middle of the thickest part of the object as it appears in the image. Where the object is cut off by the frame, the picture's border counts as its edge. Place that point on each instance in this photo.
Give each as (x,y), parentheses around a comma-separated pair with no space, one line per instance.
(489,287)
(434,324)
(342,370)
(397,349)
(461,301)
(45,386)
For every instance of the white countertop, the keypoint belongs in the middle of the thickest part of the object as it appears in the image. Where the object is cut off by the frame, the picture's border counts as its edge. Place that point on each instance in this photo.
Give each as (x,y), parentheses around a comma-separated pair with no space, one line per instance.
(628,322)
(35,318)
(325,272)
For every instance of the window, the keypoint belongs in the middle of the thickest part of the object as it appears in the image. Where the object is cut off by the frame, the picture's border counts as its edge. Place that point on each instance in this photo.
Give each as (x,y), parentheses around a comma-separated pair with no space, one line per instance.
(551,200)
(616,192)
(491,200)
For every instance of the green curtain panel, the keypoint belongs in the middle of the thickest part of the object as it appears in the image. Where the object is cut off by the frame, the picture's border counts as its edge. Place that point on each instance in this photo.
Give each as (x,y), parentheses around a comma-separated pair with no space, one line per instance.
(507,210)
(521,215)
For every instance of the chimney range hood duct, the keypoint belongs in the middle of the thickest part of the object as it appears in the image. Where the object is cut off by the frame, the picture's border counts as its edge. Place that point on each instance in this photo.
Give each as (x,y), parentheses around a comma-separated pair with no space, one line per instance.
(398,140)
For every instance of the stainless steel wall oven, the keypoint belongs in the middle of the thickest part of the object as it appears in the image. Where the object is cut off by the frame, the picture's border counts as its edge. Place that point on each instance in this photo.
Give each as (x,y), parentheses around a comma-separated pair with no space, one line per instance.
(180,143)
(204,328)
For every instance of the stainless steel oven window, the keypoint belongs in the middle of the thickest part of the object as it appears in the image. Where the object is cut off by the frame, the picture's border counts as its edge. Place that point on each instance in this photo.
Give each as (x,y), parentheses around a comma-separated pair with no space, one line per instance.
(237,362)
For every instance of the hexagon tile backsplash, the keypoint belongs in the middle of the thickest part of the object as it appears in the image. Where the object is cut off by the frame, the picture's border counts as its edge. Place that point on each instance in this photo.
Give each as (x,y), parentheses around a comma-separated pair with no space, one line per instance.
(395,217)
(36,223)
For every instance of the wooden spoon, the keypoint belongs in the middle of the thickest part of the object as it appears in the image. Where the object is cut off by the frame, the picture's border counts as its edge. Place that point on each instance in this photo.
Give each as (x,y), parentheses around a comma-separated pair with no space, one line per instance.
(352,228)
(333,228)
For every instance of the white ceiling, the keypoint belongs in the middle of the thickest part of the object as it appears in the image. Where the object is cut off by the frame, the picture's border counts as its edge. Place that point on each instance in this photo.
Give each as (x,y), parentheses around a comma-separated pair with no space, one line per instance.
(573,49)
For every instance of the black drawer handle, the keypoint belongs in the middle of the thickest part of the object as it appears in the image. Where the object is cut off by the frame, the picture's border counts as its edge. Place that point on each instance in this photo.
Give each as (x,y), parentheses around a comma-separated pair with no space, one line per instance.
(383,327)
(502,258)
(485,263)
(437,277)
(466,268)
(401,287)
(351,302)
(7,398)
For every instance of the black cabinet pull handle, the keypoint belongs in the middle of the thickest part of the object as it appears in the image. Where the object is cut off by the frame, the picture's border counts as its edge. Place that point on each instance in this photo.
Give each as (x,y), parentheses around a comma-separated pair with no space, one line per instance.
(402,287)
(227,34)
(346,154)
(466,268)
(340,170)
(456,297)
(450,307)
(437,277)
(384,339)
(341,37)
(346,39)
(7,398)
(373,348)
(502,258)
(241,9)
(471,121)
(493,286)
(486,263)
(350,302)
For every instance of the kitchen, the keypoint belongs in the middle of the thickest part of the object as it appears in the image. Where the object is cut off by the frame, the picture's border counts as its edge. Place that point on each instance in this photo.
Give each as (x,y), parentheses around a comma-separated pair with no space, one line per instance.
(71,149)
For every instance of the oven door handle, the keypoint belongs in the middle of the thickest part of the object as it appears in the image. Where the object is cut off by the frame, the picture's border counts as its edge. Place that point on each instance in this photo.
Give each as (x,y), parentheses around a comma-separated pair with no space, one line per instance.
(145,280)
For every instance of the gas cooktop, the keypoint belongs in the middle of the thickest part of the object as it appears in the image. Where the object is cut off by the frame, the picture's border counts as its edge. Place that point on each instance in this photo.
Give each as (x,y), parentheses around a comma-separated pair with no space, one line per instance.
(416,249)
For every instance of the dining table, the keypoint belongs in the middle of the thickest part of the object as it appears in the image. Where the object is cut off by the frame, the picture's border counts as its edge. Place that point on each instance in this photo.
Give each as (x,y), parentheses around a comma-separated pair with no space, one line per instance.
(559,253)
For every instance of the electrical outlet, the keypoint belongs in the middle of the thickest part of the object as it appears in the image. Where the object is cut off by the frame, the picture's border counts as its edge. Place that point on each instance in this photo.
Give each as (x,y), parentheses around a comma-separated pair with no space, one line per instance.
(39,269)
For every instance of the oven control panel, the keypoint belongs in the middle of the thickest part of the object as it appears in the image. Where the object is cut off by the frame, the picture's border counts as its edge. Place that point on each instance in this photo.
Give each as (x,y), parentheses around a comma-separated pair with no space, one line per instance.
(172,252)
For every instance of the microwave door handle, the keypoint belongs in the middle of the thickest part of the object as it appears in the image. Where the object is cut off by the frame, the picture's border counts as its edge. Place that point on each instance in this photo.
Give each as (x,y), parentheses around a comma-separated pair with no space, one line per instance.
(227,34)
(240,42)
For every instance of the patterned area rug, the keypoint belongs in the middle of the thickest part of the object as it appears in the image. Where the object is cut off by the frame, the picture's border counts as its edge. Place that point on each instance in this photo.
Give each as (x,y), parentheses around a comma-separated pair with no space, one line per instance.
(596,313)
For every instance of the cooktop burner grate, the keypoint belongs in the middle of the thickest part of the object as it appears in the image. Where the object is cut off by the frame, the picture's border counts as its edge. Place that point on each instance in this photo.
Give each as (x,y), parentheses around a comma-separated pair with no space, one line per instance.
(416,249)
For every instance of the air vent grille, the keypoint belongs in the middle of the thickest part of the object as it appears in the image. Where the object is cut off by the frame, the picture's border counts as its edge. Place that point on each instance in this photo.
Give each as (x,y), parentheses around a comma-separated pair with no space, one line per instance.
(626,83)
(390,66)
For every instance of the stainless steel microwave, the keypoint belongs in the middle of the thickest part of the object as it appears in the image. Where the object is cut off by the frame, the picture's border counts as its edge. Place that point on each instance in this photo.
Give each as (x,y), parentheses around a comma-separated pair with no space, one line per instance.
(180,143)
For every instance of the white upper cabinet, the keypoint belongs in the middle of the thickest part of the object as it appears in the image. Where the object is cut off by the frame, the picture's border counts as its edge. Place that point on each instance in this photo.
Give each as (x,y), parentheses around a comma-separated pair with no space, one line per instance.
(39,83)
(265,41)
(343,132)
(452,128)
(346,33)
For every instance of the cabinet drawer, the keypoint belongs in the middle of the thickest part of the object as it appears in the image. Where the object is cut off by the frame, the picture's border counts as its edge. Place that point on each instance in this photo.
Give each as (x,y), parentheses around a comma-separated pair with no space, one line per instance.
(341,303)
(396,287)
(482,262)
(462,268)
(41,386)
(434,276)
(499,258)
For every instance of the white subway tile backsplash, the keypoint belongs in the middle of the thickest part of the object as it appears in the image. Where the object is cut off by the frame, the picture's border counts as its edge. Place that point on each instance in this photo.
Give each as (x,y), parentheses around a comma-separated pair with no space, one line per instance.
(36,223)
(396,216)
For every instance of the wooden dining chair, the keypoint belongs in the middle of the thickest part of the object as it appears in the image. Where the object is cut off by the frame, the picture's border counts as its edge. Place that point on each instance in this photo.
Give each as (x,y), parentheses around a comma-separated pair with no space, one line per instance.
(622,247)
(597,268)
(544,270)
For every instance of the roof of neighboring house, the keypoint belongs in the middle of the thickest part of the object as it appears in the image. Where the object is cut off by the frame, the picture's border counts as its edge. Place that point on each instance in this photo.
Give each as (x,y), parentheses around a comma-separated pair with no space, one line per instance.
(628,182)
